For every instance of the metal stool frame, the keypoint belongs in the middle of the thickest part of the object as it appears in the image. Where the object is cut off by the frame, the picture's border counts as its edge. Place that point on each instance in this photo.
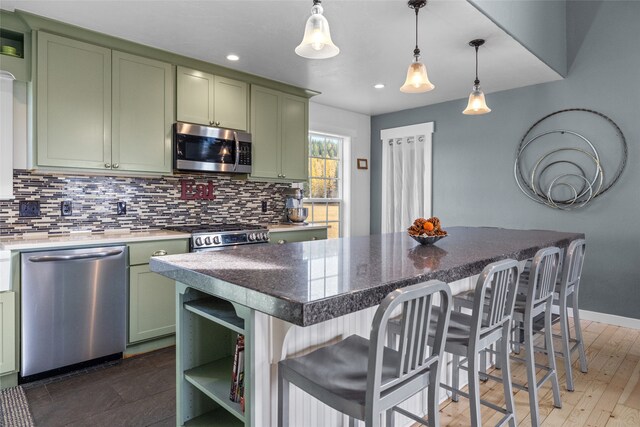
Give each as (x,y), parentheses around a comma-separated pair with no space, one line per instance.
(413,366)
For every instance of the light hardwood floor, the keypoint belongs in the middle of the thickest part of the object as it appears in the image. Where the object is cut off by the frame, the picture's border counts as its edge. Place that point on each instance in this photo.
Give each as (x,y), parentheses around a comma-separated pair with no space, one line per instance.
(608,395)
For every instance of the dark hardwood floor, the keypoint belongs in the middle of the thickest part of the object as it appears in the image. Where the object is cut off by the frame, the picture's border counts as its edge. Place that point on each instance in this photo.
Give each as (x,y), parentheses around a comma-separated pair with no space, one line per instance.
(137,391)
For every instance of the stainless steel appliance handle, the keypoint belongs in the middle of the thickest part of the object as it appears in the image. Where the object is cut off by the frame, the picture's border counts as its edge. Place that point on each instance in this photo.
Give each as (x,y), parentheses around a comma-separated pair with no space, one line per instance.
(49,258)
(235,136)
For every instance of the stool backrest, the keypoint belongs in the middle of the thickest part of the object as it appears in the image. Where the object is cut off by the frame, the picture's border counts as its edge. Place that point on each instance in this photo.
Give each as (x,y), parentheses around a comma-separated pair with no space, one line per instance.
(573,265)
(413,357)
(543,275)
(501,279)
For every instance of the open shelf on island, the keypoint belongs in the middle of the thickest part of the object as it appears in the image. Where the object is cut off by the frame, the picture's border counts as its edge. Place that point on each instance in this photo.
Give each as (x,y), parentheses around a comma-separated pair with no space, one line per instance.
(217,417)
(214,380)
(217,310)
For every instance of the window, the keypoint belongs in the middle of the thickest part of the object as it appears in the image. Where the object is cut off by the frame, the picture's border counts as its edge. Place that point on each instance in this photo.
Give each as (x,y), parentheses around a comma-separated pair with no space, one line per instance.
(324,189)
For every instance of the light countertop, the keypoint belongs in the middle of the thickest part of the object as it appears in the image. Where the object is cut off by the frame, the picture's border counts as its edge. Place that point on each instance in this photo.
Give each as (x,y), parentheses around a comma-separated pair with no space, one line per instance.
(279,228)
(44,241)
(31,241)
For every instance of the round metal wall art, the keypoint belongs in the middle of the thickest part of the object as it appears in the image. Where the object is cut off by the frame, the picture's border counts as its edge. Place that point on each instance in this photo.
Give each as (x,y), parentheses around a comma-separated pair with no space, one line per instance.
(583,184)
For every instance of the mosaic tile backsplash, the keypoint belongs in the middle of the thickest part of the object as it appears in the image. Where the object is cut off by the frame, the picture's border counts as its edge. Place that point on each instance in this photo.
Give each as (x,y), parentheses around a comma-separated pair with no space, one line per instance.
(152,202)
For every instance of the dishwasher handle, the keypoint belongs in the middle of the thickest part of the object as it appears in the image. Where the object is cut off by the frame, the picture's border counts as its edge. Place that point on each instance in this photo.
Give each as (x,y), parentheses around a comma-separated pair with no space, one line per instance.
(49,258)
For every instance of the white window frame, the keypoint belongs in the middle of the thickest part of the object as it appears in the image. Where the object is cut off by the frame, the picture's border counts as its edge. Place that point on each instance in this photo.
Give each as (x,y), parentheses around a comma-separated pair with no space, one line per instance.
(340,179)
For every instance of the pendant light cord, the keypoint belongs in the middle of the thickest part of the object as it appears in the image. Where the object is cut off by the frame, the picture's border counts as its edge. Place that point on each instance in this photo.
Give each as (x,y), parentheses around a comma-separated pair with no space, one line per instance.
(416,51)
(477,82)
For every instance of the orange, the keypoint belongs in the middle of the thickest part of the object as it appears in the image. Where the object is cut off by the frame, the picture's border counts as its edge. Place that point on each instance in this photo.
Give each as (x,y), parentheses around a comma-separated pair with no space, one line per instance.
(428,226)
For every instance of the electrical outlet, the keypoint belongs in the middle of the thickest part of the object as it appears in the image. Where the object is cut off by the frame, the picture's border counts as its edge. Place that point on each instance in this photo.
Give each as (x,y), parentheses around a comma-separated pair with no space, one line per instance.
(264,206)
(30,209)
(66,208)
(121,208)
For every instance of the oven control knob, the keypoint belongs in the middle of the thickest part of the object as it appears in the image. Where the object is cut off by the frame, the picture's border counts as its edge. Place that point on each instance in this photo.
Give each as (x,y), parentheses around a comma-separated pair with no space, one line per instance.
(251,237)
(198,241)
(263,236)
(216,240)
(207,240)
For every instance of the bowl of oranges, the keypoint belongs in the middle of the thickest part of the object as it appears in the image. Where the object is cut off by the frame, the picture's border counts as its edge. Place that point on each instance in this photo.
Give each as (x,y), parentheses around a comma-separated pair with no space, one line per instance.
(426,231)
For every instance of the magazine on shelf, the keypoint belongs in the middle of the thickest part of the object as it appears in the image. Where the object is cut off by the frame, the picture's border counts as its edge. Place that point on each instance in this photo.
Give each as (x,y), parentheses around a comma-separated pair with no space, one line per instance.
(237,372)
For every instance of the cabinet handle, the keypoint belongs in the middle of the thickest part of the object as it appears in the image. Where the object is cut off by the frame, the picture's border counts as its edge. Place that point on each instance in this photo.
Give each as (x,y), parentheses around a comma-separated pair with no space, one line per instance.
(107,165)
(314,238)
(212,123)
(161,252)
(217,123)
(284,176)
(282,242)
(116,165)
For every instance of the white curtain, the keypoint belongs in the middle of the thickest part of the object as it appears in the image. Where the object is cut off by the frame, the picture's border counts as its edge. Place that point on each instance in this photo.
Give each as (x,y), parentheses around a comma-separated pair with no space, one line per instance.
(406,175)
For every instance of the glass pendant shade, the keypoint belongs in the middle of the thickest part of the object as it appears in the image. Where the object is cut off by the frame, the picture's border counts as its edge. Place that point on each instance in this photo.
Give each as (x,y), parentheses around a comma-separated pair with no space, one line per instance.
(477,105)
(316,43)
(417,80)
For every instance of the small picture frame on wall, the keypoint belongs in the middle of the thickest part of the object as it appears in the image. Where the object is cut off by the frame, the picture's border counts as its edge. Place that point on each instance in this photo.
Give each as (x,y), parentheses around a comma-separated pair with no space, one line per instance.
(363,164)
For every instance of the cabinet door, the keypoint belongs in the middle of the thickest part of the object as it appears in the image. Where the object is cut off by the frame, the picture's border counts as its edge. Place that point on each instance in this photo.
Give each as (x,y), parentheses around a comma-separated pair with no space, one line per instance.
(152,311)
(73,103)
(230,99)
(195,91)
(7,332)
(142,114)
(295,137)
(265,131)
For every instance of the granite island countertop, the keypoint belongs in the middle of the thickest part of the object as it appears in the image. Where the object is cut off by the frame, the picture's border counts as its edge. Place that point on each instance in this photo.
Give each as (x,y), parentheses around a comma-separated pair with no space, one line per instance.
(309,282)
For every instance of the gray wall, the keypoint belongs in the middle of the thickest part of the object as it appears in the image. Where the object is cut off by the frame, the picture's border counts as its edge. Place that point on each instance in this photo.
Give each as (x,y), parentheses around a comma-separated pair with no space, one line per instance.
(473,157)
(538,25)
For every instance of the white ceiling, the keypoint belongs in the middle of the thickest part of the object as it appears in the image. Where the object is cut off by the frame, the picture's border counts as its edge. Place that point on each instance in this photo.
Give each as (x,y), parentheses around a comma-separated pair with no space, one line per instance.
(376,40)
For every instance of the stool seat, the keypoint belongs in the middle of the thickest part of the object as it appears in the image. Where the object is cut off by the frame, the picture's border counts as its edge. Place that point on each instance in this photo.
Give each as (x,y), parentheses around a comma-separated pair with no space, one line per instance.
(340,371)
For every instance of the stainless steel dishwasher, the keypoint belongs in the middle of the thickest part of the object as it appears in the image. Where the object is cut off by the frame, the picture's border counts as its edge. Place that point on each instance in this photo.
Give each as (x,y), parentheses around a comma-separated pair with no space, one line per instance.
(73,307)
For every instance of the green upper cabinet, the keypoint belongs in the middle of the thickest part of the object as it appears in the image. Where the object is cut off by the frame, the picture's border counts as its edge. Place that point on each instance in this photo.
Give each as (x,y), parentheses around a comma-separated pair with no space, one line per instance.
(194,92)
(102,109)
(73,103)
(142,114)
(211,100)
(295,137)
(265,132)
(279,128)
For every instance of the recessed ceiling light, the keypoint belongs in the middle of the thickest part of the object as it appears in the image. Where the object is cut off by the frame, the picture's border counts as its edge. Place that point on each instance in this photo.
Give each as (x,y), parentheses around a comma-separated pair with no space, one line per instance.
(232,57)
(378,86)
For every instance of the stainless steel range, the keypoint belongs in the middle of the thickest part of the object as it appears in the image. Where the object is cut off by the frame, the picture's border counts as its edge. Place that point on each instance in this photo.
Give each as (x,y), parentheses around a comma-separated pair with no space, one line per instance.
(208,237)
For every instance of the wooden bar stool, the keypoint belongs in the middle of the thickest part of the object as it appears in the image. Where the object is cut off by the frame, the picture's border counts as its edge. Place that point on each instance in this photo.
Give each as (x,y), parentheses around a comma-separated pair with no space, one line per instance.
(364,379)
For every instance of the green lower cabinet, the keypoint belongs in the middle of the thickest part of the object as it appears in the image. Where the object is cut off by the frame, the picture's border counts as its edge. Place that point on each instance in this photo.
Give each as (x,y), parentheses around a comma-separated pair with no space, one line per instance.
(151,304)
(152,297)
(7,332)
(283,237)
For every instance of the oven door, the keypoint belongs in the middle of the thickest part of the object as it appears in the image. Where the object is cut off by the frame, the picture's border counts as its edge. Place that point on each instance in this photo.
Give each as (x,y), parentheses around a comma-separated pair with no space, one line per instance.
(206,149)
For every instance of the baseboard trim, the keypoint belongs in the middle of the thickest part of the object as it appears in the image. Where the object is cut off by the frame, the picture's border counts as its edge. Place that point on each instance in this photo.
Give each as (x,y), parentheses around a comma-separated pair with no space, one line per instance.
(611,319)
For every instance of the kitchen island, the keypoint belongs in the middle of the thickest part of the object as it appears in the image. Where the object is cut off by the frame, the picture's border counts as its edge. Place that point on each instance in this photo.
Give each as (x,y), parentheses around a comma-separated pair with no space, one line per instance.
(288,299)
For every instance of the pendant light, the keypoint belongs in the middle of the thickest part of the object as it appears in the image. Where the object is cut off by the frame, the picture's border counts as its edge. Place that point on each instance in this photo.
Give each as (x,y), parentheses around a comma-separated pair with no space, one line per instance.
(477,105)
(417,80)
(316,43)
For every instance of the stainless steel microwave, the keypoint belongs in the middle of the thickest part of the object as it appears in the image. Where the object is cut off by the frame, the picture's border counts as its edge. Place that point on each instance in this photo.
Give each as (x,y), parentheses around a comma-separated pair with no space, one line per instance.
(209,149)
